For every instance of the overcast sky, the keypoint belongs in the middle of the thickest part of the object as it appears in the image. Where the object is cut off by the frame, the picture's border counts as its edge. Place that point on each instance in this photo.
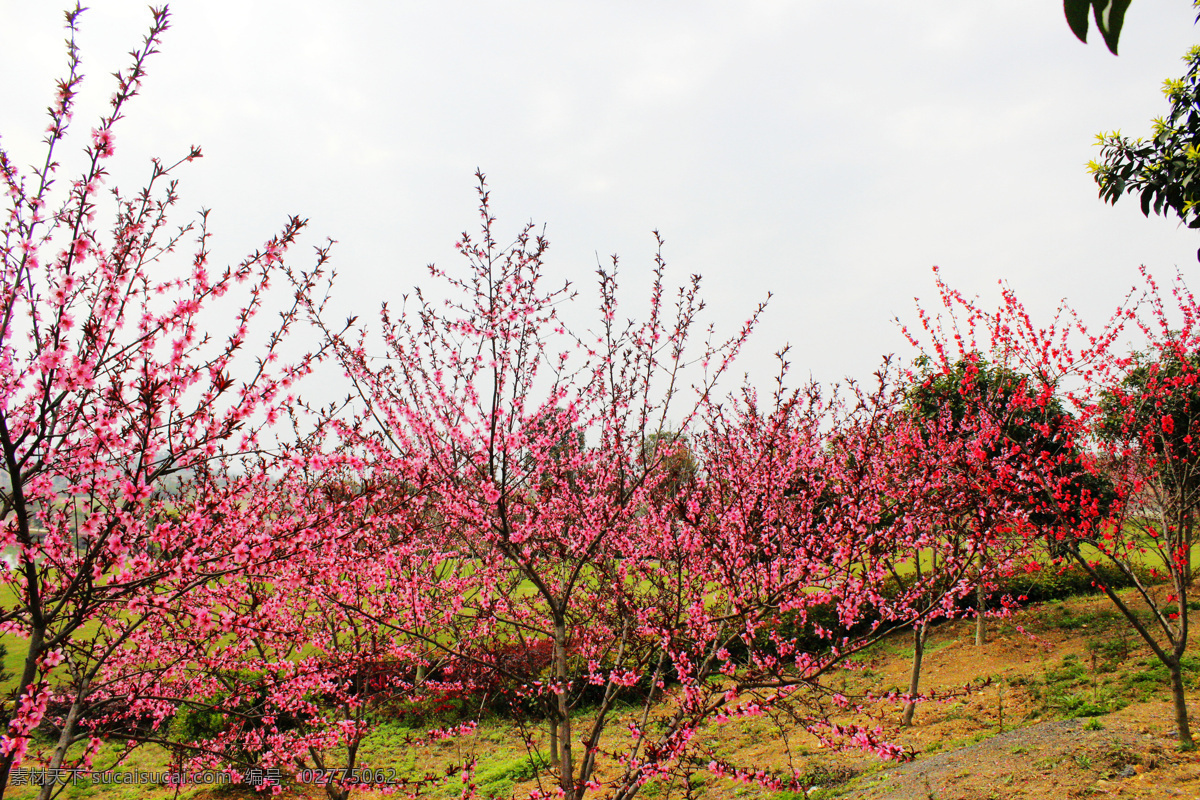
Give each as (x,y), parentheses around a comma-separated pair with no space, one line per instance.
(830,152)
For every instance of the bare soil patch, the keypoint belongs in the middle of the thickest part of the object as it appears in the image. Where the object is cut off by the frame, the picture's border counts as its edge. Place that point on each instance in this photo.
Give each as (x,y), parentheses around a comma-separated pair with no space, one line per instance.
(1062,758)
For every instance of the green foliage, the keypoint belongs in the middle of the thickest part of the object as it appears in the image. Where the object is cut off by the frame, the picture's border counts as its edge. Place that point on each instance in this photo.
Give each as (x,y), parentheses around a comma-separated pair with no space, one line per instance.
(1030,421)
(802,629)
(1048,584)
(206,718)
(1165,171)
(1109,15)
(671,451)
(1069,580)
(970,387)
(197,724)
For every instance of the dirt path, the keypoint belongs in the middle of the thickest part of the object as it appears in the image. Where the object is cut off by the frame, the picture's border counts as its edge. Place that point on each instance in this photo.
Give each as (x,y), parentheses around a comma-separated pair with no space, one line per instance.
(1057,759)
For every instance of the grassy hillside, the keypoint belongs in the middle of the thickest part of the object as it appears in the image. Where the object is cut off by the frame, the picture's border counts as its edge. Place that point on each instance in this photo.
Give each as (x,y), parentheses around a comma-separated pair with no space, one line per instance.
(1061,660)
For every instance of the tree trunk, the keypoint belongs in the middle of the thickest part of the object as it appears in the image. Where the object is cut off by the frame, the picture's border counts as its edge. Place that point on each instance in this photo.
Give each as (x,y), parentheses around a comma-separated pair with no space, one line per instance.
(1181,712)
(566,767)
(980,603)
(914,682)
(64,741)
(553,740)
(340,792)
(1186,549)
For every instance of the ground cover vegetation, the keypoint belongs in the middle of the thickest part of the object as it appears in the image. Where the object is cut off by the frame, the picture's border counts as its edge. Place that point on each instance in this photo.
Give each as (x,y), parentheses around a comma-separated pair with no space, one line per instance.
(1076,705)
(586,531)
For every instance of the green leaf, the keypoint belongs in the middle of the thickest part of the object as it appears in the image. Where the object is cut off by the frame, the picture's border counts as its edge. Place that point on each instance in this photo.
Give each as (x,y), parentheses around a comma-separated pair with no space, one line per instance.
(1077,17)
(1110,16)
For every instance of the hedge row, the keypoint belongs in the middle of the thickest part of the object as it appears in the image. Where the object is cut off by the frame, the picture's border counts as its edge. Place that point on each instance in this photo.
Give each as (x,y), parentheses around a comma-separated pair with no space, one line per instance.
(1059,583)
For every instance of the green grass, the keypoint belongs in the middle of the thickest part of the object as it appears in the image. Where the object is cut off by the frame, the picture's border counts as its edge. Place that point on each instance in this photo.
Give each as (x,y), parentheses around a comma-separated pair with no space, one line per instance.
(496,777)
(1103,680)
(1073,689)
(15,650)
(1149,677)
(1057,614)
(821,780)
(967,741)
